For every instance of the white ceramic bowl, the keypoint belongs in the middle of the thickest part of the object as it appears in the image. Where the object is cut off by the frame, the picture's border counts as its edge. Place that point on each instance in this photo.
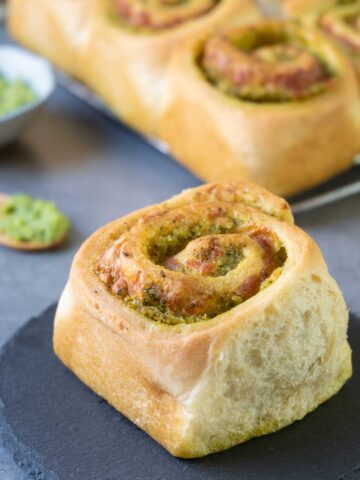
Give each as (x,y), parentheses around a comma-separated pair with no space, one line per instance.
(16,63)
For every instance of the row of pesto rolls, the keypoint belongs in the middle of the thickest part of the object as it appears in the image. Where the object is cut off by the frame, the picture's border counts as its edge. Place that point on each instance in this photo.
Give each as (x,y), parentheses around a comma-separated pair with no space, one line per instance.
(232,94)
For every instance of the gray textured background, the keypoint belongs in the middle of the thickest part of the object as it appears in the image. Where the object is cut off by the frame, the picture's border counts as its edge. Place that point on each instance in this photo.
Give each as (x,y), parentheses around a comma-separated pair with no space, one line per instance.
(96,171)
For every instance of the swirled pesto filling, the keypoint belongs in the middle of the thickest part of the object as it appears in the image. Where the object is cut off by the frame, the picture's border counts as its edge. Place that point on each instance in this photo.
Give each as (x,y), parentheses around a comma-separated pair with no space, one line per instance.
(30,220)
(191,264)
(161,14)
(14,94)
(267,62)
(343,24)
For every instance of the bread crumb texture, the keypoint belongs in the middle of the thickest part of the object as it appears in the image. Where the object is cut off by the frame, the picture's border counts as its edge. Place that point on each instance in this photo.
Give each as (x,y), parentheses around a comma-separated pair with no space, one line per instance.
(281,365)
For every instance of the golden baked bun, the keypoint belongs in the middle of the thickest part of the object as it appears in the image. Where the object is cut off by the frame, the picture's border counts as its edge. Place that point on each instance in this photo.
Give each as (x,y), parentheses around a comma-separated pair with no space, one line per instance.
(338,19)
(266,102)
(130,43)
(120,48)
(207,319)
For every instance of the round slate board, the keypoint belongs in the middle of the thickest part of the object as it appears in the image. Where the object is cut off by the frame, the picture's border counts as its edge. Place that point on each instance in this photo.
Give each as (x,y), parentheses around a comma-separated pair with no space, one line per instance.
(55,428)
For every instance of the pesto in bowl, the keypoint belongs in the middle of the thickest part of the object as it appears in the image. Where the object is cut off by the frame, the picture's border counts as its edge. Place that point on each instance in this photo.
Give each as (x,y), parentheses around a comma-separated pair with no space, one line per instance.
(14,94)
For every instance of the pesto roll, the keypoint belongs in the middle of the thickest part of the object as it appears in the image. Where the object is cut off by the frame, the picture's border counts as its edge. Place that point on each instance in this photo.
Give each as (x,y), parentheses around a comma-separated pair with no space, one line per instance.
(338,19)
(121,49)
(207,320)
(264,101)
(129,45)
(225,261)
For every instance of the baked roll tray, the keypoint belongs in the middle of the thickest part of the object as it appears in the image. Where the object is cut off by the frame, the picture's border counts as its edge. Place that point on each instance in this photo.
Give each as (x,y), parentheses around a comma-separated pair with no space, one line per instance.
(55,428)
(340,187)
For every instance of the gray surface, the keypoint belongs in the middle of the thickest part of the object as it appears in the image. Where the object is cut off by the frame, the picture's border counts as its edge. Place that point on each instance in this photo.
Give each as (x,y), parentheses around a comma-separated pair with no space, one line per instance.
(96,171)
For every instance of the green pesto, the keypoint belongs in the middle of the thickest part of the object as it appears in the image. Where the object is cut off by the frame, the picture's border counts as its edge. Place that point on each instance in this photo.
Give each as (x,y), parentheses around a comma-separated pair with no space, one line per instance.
(171,243)
(152,307)
(26,219)
(347,2)
(229,260)
(248,42)
(164,244)
(159,313)
(14,94)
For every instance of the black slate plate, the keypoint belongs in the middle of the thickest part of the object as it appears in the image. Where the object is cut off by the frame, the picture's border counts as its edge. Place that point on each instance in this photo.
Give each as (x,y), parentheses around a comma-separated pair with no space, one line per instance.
(57,429)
